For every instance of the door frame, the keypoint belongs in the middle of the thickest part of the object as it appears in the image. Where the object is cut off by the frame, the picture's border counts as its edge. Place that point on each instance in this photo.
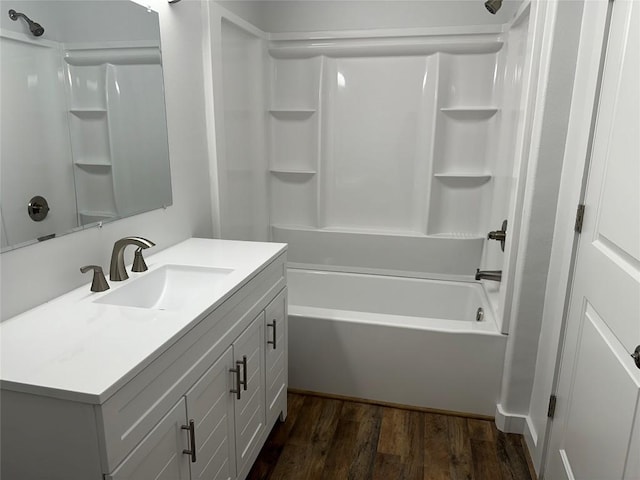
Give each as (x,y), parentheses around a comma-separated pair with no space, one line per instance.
(583,113)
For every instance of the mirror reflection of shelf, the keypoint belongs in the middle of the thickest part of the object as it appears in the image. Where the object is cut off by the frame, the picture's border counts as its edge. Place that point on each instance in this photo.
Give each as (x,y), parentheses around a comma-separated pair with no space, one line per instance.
(87,217)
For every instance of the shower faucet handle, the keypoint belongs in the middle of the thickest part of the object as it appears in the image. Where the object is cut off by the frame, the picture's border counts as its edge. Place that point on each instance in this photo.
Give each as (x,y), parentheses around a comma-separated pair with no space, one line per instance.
(499,235)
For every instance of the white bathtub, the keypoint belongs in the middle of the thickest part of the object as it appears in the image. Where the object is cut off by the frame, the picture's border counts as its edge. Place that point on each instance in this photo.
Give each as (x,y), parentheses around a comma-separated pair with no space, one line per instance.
(393,339)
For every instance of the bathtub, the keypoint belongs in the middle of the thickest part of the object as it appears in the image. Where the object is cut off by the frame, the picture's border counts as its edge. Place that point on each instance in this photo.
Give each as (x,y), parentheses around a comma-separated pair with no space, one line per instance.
(400,340)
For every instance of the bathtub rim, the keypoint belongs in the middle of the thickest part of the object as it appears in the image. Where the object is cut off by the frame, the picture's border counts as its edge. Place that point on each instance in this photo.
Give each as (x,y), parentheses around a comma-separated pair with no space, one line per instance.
(488,326)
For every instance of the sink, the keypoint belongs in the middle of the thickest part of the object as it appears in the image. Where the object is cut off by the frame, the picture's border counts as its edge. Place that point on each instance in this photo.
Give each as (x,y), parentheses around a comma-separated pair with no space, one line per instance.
(169,287)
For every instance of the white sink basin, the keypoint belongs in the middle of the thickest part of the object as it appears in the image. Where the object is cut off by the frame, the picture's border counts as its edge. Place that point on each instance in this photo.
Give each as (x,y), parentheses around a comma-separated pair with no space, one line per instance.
(168,288)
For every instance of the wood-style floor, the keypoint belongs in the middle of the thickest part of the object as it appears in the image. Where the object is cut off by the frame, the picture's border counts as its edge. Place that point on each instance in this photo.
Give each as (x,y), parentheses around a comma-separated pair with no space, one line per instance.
(331,439)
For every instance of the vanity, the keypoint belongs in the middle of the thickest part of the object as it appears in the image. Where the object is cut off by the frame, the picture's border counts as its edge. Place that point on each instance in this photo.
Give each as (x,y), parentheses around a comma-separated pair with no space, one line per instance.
(177,373)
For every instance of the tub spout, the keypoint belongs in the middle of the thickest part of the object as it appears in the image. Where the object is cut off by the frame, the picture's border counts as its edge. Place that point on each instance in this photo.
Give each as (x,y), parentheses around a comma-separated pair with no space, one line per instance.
(495,275)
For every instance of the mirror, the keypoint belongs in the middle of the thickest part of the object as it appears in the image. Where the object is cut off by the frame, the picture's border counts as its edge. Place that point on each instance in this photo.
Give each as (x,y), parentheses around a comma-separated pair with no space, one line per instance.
(83,122)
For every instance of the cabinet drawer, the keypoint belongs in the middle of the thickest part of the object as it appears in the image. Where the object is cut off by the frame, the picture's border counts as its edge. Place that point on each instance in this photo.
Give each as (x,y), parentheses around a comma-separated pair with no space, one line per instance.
(132,411)
(276,355)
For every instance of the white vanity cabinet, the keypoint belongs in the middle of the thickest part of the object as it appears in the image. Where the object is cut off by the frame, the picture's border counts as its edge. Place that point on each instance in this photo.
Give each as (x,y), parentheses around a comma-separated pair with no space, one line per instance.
(165,452)
(226,411)
(220,382)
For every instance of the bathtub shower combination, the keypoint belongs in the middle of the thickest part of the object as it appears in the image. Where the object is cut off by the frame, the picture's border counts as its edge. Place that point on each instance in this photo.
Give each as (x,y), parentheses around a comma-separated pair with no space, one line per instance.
(393,339)
(383,157)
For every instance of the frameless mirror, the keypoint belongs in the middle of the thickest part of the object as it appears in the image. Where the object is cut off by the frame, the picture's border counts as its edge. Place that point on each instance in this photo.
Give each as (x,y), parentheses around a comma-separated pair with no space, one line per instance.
(83,133)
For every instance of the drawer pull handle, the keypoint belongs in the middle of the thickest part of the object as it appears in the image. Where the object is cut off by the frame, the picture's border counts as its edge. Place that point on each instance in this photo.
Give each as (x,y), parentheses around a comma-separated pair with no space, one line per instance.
(192,440)
(237,390)
(272,342)
(243,382)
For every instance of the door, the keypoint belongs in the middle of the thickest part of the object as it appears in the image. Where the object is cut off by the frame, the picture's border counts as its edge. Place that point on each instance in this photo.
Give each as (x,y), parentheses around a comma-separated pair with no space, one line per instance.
(595,432)
(160,455)
(210,405)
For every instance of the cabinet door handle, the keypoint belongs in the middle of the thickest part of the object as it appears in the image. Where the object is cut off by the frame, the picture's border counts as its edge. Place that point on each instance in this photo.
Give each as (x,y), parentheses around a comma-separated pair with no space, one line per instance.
(243,362)
(272,342)
(237,390)
(192,440)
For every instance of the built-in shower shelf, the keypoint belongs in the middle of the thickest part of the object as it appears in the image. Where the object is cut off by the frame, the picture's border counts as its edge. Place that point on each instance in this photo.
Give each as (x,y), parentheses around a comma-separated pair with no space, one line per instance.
(88,112)
(475,113)
(287,171)
(490,109)
(91,164)
(464,235)
(301,113)
(463,175)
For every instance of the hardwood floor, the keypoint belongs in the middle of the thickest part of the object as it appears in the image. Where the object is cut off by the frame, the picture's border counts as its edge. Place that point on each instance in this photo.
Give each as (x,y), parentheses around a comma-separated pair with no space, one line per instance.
(331,439)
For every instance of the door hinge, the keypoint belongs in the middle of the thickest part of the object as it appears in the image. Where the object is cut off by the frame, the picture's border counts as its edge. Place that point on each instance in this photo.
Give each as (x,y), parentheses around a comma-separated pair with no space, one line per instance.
(552,406)
(579,218)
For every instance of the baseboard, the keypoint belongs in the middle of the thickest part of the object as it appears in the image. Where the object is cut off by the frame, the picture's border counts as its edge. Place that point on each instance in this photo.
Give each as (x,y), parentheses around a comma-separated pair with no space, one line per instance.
(389,404)
(509,422)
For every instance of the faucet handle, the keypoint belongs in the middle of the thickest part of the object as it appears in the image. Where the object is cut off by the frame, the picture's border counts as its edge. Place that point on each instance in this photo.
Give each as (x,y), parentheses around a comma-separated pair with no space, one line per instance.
(99,283)
(139,264)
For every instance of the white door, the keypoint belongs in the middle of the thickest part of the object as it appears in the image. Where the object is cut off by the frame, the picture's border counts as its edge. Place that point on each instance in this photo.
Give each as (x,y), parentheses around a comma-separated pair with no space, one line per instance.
(248,353)
(210,405)
(596,428)
(160,455)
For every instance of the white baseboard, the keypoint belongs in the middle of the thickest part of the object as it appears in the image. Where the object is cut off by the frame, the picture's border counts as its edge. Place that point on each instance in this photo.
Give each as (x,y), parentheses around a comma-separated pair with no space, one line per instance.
(509,422)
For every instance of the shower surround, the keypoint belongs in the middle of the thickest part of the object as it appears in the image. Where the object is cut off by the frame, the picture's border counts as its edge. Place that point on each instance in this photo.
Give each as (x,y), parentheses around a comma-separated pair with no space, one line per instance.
(377,152)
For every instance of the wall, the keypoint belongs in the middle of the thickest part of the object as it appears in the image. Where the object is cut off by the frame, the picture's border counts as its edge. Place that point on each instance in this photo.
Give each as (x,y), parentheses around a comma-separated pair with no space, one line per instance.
(319,15)
(538,216)
(234,66)
(32,275)
(561,261)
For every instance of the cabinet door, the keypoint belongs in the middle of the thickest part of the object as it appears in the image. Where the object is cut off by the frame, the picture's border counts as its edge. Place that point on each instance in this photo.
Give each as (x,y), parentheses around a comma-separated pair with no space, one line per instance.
(276,357)
(159,456)
(210,405)
(249,409)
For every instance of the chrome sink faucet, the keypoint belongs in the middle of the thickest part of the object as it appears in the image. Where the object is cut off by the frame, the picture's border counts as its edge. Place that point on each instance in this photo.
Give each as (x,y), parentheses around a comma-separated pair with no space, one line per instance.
(117,272)
(495,275)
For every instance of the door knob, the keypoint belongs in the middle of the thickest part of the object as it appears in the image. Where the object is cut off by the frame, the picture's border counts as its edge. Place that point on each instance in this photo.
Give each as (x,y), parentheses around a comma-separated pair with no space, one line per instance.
(636,356)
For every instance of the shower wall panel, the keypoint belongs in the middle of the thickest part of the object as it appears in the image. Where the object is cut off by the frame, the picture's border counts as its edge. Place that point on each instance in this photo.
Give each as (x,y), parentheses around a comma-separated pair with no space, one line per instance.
(242,162)
(378,118)
(387,135)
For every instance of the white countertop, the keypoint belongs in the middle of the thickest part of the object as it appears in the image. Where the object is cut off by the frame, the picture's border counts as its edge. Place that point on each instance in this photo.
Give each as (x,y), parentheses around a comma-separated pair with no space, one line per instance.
(76,349)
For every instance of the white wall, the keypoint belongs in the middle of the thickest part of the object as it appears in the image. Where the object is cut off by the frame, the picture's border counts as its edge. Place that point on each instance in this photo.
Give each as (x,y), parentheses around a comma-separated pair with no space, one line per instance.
(323,15)
(235,69)
(564,239)
(32,275)
(537,225)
